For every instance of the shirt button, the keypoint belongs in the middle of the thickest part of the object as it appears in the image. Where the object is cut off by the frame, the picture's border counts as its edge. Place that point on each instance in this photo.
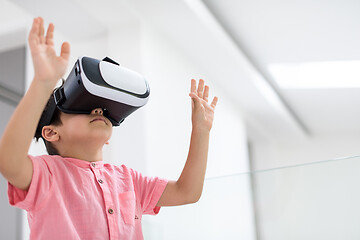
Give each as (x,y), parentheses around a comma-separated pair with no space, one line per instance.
(100,181)
(93,164)
(111,211)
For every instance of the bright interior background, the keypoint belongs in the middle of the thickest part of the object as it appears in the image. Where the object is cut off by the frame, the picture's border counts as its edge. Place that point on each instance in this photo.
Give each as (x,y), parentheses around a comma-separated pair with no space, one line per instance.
(253,54)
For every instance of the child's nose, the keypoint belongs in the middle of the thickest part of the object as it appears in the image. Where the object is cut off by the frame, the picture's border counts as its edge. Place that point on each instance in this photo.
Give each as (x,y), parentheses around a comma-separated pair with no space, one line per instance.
(97,111)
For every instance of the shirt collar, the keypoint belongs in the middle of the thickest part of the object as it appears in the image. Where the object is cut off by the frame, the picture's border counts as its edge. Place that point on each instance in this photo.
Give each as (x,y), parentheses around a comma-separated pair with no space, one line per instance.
(85,164)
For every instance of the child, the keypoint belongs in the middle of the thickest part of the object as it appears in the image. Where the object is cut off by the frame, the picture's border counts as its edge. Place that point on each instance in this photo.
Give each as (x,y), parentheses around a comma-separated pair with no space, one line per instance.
(71,193)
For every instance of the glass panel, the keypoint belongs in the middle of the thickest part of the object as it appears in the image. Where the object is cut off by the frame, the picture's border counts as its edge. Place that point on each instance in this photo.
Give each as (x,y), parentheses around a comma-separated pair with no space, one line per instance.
(224,212)
(311,201)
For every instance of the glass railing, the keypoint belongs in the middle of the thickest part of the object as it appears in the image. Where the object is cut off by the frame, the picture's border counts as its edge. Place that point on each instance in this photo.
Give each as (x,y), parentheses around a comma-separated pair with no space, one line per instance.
(317,201)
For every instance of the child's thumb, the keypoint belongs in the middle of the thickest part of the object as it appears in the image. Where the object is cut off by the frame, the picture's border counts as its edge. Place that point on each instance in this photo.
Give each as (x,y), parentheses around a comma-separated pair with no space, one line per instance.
(195,99)
(65,51)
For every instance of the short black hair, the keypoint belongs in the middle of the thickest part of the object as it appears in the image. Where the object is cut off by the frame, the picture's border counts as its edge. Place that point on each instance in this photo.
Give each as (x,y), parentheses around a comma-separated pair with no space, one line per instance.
(55,120)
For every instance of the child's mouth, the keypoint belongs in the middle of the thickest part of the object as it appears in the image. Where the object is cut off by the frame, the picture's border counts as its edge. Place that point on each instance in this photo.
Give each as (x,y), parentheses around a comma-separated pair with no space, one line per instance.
(98,119)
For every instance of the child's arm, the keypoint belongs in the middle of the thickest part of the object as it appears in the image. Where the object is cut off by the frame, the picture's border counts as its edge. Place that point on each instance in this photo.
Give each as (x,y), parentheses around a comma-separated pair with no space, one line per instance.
(188,188)
(15,165)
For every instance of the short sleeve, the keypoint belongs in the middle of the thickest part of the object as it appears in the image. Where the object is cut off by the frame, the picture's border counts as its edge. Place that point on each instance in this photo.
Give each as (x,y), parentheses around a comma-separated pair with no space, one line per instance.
(39,188)
(148,191)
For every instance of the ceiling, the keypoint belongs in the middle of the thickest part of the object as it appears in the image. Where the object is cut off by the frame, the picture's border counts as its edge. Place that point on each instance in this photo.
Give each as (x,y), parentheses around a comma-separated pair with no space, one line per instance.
(235,41)
(280,31)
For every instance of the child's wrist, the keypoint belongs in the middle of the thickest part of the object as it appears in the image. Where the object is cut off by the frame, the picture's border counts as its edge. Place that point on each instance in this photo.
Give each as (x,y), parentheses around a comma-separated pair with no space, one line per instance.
(200,129)
(43,86)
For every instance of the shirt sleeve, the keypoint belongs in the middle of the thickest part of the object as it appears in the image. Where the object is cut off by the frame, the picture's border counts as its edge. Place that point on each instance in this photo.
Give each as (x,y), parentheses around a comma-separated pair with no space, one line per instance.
(148,191)
(40,185)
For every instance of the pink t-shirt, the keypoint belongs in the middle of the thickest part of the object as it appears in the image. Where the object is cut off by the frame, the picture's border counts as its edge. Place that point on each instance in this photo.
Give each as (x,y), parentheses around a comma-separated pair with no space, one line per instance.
(75,199)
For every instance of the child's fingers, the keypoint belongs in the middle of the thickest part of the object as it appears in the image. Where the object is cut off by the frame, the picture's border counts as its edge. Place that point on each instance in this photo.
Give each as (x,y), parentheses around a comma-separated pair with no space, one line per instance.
(34,32)
(196,100)
(41,31)
(214,102)
(35,27)
(206,93)
(65,51)
(49,40)
(201,88)
(193,86)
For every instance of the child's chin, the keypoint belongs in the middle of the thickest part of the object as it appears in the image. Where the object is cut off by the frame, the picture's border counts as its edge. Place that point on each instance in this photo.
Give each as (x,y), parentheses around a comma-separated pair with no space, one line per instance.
(101,135)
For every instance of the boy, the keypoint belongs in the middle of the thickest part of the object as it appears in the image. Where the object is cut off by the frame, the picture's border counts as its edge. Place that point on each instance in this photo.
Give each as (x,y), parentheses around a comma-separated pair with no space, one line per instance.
(73,194)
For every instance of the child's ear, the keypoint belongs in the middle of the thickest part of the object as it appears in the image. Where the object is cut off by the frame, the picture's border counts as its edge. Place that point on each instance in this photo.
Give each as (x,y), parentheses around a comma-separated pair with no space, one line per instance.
(50,134)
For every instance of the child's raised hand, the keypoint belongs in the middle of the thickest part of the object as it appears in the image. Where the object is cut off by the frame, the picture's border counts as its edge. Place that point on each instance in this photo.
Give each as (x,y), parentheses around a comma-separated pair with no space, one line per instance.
(202,112)
(48,67)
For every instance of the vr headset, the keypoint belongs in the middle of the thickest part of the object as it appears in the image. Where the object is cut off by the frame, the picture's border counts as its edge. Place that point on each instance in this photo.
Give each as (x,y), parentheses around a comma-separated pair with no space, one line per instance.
(94,83)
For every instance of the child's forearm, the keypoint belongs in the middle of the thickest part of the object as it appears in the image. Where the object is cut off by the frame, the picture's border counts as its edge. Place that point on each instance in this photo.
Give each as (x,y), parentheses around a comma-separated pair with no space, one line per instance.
(189,186)
(191,180)
(17,137)
(48,68)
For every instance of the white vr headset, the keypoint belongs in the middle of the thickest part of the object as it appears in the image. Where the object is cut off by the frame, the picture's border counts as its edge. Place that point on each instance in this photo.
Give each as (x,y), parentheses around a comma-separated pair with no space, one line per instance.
(94,83)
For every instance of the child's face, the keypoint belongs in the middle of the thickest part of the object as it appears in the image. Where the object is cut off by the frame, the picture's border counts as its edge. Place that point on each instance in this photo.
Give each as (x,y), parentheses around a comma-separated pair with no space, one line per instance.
(85,128)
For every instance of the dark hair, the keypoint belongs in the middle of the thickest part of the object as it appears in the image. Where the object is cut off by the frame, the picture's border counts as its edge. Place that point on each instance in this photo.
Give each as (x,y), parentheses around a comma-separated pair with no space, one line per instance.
(55,120)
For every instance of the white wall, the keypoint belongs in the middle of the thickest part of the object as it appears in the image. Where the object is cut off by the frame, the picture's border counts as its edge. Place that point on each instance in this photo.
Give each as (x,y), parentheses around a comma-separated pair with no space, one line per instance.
(168,126)
(169,112)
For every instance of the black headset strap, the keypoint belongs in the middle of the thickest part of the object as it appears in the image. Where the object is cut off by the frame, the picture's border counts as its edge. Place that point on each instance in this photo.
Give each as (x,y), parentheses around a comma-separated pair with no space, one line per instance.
(46,117)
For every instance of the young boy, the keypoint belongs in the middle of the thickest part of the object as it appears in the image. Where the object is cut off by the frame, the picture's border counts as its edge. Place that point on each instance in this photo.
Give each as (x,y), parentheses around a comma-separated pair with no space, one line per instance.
(71,193)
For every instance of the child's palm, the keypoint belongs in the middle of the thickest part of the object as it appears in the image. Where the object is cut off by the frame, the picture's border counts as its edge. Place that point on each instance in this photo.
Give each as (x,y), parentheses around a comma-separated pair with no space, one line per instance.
(202,111)
(48,67)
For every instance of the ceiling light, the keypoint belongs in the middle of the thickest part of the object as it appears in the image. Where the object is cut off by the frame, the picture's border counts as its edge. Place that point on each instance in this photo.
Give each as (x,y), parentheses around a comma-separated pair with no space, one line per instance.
(336,74)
